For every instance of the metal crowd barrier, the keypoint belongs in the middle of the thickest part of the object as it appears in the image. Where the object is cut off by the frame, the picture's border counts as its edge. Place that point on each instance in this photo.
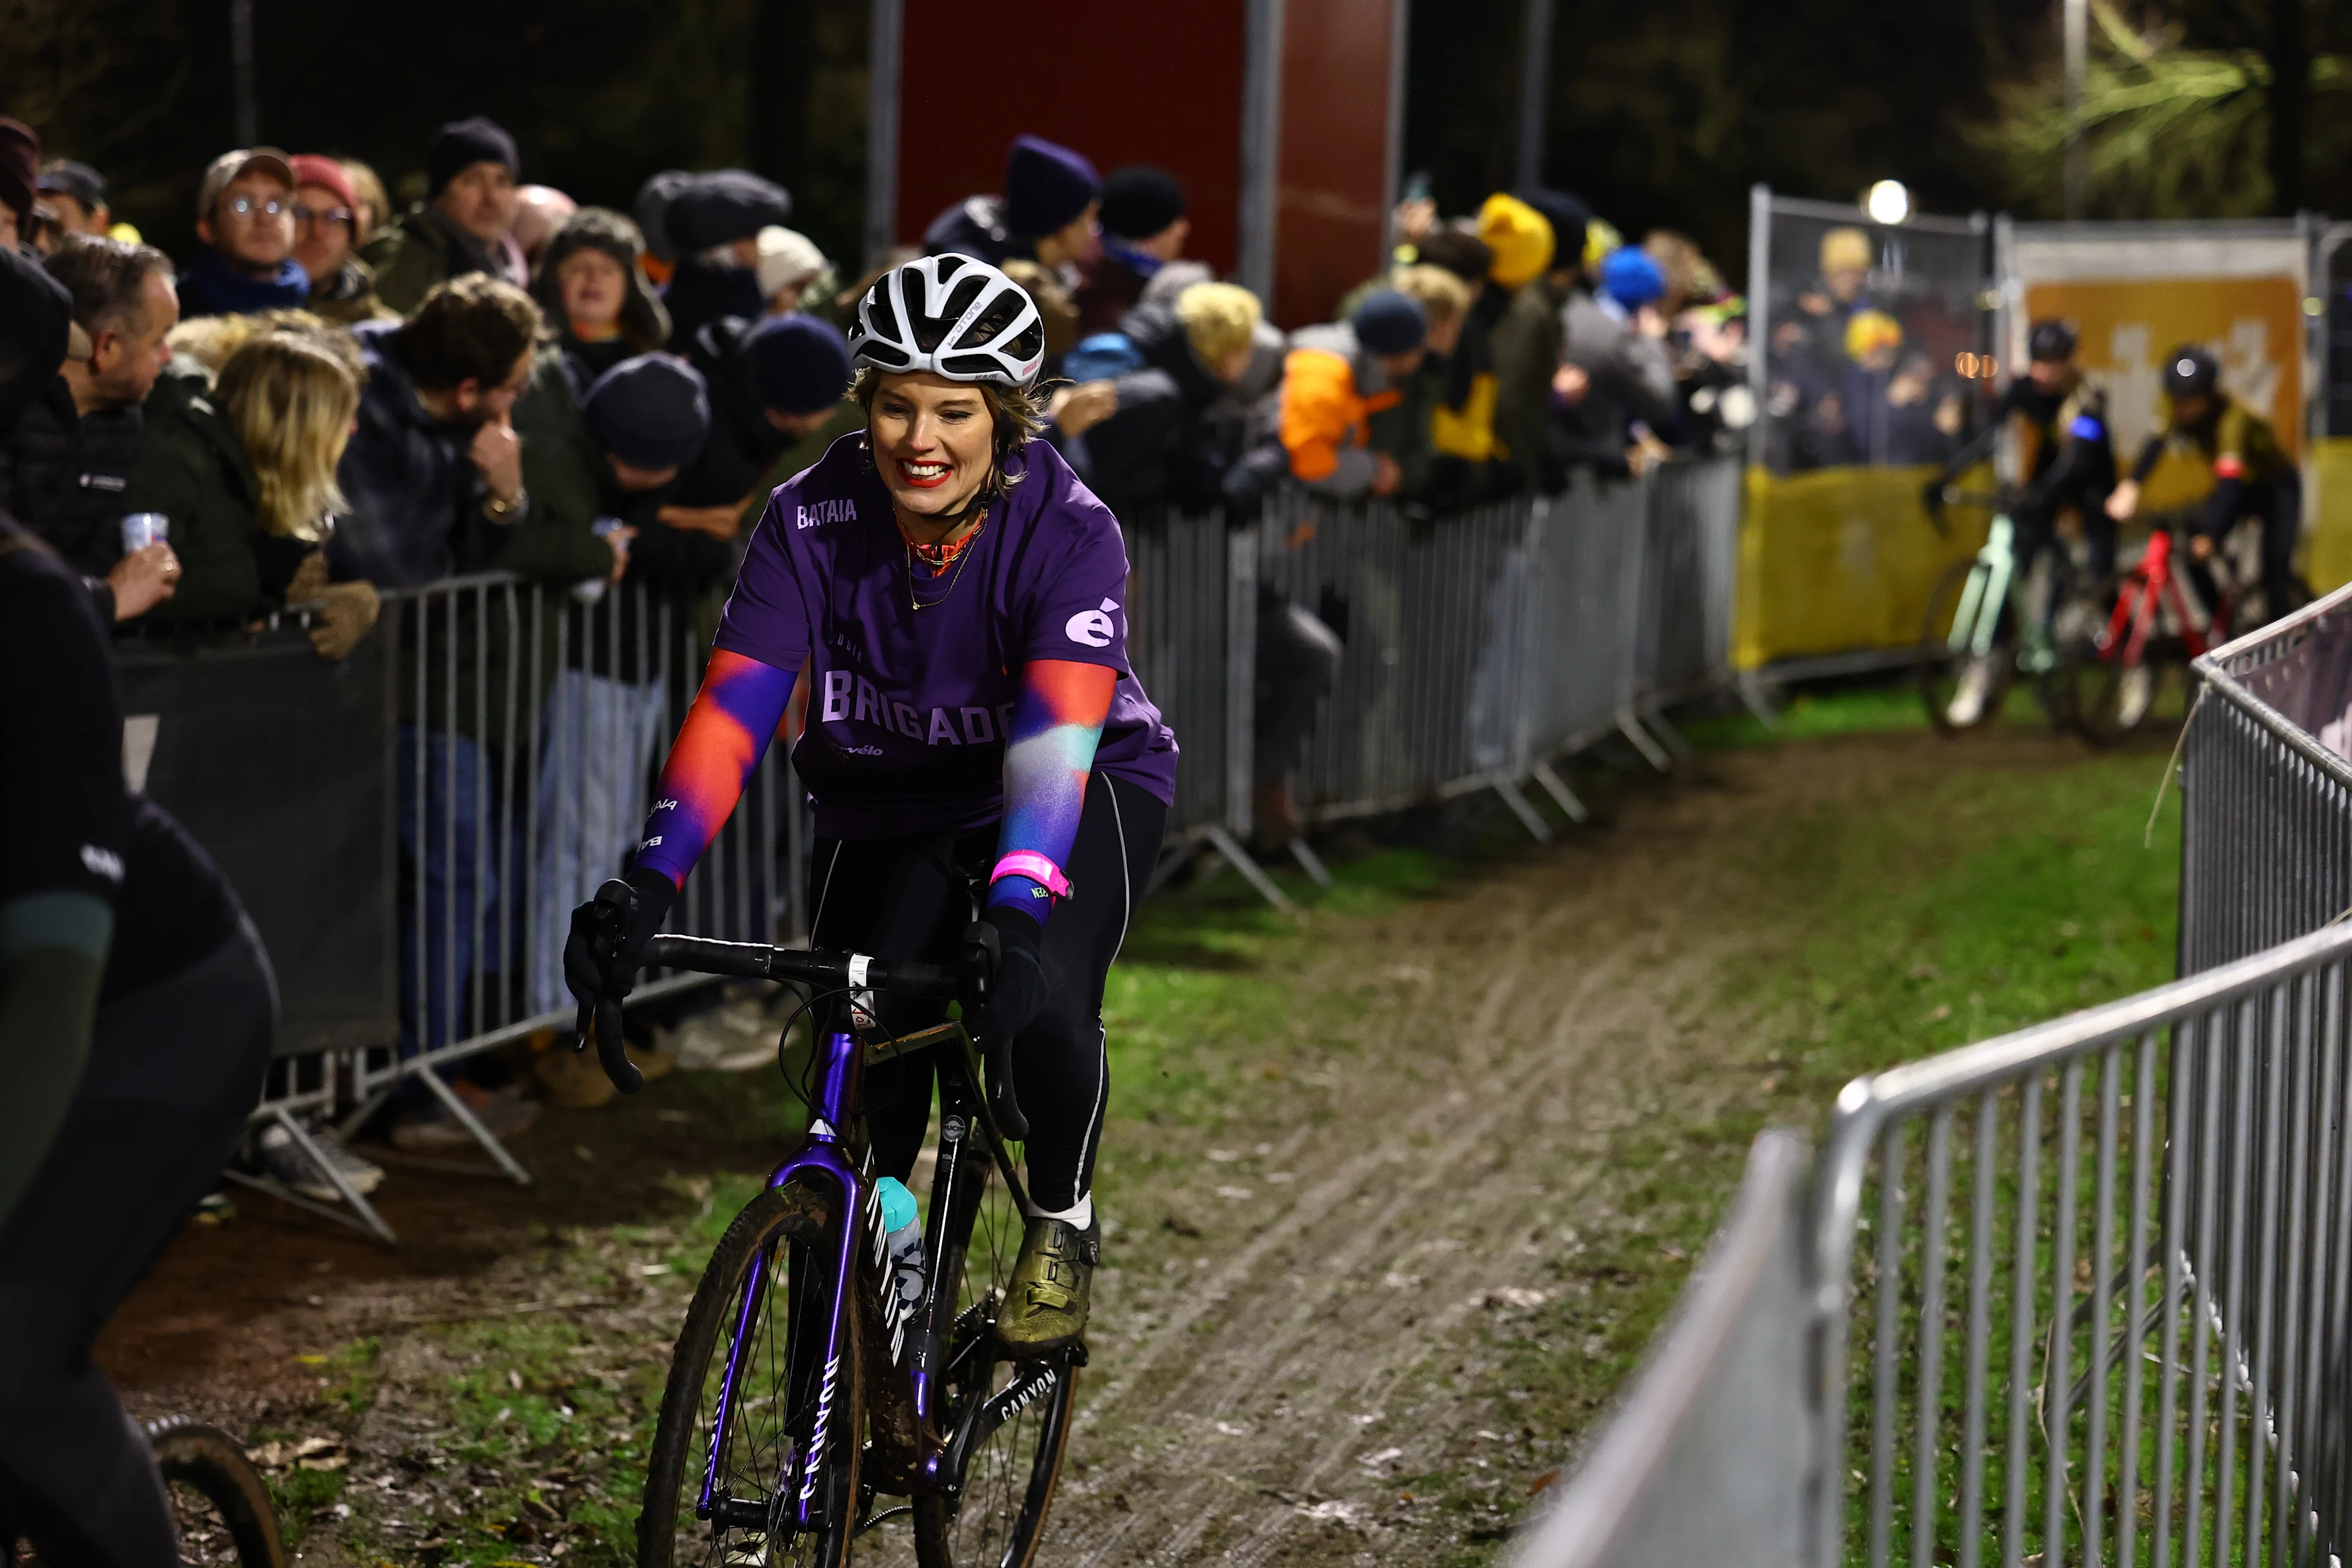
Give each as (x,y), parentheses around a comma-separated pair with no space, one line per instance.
(2079,1294)
(2266,788)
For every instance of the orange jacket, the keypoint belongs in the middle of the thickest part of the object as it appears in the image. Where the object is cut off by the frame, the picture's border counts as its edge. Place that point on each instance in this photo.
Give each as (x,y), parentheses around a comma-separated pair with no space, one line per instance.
(1323,413)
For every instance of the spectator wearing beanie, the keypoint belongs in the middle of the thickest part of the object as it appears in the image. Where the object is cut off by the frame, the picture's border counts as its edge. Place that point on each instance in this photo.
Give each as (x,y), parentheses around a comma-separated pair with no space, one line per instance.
(791,267)
(714,223)
(20,162)
(461,225)
(1046,214)
(779,395)
(596,295)
(650,208)
(65,470)
(1335,378)
(1616,374)
(326,243)
(1470,464)
(1526,346)
(1143,229)
(244,216)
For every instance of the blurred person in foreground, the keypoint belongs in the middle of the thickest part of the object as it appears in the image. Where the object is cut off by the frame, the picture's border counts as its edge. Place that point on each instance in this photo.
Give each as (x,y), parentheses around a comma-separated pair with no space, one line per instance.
(244,216)
(1527,346)
(461,228)
(714,223)
(1144,227)
(1046,214)
(137,1011)
(247,474)
(65,468)
(326,243)
(595,294)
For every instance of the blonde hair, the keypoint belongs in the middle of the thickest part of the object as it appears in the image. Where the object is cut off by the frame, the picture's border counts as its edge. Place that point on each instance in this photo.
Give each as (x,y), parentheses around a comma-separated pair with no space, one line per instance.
(376,204)
(290,396)
(1442,296)
(211,339)
(1220,320)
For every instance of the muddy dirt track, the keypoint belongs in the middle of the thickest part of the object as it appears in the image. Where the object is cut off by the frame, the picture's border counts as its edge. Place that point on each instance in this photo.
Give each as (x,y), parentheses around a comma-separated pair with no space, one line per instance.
(1355,1316)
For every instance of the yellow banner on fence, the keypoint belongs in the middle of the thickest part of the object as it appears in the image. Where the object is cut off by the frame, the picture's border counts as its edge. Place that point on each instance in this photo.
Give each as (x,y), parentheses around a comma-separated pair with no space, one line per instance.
(2327,555)
(1842,560)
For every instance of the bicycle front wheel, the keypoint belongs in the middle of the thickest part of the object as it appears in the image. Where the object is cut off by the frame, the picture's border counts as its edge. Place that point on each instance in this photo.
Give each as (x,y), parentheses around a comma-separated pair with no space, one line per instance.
(1019,1411)
(1961,688)
(763,1309)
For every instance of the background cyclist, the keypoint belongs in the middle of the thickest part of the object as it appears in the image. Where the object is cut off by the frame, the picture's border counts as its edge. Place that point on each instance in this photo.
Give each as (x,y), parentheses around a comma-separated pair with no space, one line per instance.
(136,1013)
(950,600)
(2252,475)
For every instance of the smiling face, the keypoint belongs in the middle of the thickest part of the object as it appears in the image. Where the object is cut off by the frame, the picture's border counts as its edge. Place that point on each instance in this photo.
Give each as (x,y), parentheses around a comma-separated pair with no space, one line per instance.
(933,441)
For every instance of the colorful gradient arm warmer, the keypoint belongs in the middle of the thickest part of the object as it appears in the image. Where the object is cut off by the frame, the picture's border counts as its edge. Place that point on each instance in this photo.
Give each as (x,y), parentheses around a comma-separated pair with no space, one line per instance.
(738,711)
(1048,753)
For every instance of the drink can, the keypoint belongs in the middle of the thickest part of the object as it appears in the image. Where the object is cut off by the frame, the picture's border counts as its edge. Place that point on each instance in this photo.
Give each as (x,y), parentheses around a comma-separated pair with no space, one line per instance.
(141,529)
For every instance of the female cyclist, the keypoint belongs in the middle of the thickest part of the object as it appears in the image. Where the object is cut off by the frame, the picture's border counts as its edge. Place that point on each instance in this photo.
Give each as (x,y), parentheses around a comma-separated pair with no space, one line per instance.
(949,599)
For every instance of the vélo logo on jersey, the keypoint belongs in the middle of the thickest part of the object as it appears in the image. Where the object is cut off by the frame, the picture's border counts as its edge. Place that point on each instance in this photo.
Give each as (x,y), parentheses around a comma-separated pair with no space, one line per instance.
(1094,628)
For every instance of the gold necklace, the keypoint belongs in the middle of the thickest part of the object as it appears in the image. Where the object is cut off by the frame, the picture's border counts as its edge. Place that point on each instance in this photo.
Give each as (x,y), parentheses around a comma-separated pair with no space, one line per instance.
(963,559)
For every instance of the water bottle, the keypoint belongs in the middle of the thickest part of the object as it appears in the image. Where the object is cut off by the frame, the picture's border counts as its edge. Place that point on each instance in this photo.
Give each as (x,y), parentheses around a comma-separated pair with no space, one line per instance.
(903,1241)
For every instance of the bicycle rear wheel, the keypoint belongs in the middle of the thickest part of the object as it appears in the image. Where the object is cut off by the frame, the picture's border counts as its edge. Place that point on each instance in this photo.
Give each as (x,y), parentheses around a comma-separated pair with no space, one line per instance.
(778,1254)
(1020,1411)
(218,1499)
(1962,690)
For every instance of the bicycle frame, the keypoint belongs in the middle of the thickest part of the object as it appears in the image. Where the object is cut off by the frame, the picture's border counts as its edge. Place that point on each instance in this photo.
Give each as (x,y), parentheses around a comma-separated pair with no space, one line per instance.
(825,1157)
(1972,633)
(2135,611)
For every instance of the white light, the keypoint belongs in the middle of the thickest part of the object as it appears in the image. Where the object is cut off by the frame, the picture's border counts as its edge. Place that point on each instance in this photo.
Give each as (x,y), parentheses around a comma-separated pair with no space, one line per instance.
(1888,202)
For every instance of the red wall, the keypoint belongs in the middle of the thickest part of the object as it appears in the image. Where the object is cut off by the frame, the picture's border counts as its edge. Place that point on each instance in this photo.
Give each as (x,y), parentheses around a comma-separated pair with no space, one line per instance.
(1121,83)
(1331,207)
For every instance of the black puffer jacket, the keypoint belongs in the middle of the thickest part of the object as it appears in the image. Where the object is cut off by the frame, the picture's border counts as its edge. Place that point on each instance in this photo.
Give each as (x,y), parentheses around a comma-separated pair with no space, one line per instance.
(700,294)
(63,475)
(743,446)
(1157,449)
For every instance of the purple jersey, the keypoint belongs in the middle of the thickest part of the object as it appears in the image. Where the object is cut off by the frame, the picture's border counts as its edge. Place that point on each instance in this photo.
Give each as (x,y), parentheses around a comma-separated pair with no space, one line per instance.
(907,708)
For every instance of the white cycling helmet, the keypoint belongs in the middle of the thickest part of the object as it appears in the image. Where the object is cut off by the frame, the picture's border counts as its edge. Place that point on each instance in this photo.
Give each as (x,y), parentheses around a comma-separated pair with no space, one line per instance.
(952,316)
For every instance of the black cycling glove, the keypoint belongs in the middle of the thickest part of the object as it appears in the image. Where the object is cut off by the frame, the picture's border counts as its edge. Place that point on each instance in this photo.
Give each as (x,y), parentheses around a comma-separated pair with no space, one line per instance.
(1005,942)
(608,939)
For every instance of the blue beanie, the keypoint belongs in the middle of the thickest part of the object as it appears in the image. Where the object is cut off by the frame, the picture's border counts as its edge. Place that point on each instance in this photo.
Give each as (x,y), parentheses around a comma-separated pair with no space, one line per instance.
(1630,277)
(800,365)
(1045,187)
(1387,322)
(651,412)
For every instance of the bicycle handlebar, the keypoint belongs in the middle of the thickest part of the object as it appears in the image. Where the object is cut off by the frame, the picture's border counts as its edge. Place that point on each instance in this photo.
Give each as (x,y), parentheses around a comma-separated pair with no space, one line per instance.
(825,971)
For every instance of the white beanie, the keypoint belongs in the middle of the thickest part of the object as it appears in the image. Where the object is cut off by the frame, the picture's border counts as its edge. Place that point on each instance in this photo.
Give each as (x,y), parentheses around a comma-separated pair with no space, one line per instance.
(787,257)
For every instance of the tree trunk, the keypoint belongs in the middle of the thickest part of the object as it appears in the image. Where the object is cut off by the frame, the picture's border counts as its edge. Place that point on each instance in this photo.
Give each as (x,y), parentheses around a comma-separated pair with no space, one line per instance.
(2290,62)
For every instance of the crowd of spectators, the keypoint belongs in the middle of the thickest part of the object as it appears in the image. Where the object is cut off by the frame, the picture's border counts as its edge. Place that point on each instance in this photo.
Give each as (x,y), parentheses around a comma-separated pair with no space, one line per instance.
(331,399)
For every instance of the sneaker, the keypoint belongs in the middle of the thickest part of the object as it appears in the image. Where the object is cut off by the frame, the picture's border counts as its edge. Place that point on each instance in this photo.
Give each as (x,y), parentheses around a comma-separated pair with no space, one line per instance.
(2135,696)
(1968,702)
(287,1163)
(431,1129)
(571,1080)
(1046,1306)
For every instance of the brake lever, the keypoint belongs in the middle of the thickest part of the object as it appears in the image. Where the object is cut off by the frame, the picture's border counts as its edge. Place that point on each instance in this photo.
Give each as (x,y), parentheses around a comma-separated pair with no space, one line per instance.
(984,952)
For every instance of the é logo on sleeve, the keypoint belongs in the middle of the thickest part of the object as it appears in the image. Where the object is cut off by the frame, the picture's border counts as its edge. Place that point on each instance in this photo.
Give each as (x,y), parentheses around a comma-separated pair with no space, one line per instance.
(1092,627)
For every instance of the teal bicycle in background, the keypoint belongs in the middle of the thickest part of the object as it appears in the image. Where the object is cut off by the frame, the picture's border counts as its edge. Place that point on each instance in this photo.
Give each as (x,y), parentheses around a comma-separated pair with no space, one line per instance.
(1984,626)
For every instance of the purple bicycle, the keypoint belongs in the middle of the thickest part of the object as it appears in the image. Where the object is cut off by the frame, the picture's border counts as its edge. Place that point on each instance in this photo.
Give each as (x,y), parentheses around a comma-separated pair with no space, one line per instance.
(806,1404)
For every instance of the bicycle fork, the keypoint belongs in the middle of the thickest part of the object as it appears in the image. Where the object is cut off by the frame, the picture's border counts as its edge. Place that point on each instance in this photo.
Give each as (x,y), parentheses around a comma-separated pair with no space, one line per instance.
(1977,618)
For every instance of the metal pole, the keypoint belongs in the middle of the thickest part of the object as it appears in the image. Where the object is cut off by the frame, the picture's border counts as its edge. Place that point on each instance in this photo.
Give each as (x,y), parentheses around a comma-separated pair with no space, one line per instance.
(885,62)
(2077,25)
(1392,170)
(240,67)
(1534,82)
(1261,146)
(1760,315)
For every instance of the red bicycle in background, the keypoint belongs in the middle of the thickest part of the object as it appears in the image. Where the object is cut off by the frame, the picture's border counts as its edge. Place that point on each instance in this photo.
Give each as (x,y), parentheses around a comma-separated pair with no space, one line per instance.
(2160,613)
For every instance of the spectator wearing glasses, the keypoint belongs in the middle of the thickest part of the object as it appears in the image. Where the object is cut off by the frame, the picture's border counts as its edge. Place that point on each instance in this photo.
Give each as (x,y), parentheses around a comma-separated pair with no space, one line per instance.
(461,226)
(596,296)
(244,216)
(326,243)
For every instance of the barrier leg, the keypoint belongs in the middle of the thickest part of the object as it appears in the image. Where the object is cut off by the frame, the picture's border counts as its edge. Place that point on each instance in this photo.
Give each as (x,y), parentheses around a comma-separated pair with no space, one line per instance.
(360,1215)
(1524,809)
(1226,845)
(1311,862)
(1668,736)
(1631,728)
(481,1134)
(1755,700)
(1562,796)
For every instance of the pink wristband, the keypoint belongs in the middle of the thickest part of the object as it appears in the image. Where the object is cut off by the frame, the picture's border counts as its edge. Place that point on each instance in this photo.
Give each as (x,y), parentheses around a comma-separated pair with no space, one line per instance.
(1036,867)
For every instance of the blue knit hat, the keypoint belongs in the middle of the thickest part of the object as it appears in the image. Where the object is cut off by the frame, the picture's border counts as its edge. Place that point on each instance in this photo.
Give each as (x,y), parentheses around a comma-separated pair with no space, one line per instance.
(800,363)
(651,412)
(1387,322)
(1046,186)
(1631,277)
